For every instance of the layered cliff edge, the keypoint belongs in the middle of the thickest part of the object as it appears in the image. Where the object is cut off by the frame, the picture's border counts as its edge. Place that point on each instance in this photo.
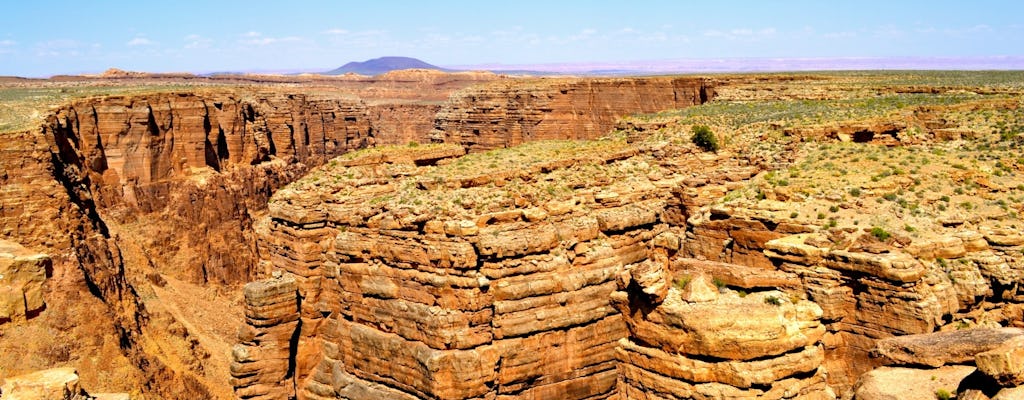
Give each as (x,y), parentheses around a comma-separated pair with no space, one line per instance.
(638,266)
(142,198)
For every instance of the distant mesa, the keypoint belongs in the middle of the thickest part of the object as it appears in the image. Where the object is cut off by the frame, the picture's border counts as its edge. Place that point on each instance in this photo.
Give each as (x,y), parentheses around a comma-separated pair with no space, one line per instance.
(382,65)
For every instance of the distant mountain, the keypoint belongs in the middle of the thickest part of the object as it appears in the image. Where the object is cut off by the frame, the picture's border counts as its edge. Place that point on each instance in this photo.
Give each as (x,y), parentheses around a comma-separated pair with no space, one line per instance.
(381,65)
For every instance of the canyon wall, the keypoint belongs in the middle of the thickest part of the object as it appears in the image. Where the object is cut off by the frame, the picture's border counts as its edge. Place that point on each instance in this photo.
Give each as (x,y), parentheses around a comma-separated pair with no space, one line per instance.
(127,192)
(508,113)
(486,276)
(199,164)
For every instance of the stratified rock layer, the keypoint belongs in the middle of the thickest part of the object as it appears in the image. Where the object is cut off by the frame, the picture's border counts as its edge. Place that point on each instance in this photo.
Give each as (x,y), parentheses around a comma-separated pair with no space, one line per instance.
(201,163)
(486,277)
(504,114)
(262,362)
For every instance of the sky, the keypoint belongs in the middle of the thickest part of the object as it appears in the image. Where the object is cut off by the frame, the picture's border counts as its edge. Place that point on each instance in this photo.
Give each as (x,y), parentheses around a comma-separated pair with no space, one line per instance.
(43,38)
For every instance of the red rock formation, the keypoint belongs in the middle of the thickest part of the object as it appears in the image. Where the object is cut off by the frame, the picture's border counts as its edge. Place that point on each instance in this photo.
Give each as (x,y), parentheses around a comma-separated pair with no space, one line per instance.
(507,113)
(201,165)
(508,297)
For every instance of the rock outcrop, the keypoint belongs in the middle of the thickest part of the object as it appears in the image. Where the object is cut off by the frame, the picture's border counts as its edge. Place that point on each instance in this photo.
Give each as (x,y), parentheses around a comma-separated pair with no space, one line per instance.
(22,274)
(51,384)
(505,114)
(262,363)
(491,275)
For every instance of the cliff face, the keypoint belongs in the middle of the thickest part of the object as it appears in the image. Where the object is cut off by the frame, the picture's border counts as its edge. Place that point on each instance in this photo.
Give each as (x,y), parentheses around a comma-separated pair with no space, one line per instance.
(491,275)
(121,190)
(508,113)
(200,164)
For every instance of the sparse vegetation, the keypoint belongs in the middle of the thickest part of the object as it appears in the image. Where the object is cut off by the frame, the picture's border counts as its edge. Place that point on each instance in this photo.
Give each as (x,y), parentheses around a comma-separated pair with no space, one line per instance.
(880,233)
(704,138)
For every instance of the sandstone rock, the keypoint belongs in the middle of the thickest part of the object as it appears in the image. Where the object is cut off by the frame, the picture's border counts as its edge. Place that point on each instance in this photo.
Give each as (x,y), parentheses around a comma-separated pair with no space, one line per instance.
(942,348)
(740,374)
(22,274)
(50,384)
(1010,394)
(550,109)
(1004,363)
(892,266)
(699,289)
(736,275)
(713,329)
(653,278)
(262,359)
(898,383)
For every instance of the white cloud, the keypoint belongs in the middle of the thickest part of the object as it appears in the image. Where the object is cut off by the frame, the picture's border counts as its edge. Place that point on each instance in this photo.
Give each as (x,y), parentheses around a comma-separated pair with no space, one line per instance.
(839,35)
(194,41)
(257,39)
(140,41)
(335,31)
(747,34)
(58,48)
(7,43)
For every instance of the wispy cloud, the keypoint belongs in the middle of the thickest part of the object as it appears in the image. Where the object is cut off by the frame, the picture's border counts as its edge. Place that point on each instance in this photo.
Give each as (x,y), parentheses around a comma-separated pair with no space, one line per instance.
(58,48)
(335,31)
(257,39)
(747,34)
(840,35)
(194,41)
(140,41)
(7,46)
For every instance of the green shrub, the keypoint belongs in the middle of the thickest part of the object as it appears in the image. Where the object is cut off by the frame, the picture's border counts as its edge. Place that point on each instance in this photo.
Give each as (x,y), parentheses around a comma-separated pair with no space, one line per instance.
(855,192)
(775,301)
(880,234)
(703,138)
(943,394)
(682,281)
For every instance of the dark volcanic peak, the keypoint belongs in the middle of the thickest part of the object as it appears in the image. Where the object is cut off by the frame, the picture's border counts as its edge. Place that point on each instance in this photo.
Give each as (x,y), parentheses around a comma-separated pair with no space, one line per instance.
(381,65)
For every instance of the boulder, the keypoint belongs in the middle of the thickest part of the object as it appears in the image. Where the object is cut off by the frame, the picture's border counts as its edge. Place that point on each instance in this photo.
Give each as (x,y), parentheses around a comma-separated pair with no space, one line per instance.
(1005,363)
(901,383)
(50,384)
(942,348)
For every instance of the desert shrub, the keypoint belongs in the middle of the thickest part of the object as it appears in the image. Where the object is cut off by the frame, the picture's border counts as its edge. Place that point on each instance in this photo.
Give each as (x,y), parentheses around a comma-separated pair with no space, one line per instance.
(775,301)
(880,234)
(943,394)
(703,138)
(682,281)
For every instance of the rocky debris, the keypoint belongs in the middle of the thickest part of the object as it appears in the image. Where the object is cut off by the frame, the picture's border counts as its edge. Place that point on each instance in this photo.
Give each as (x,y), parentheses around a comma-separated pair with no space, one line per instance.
(22,274)
(51,384)
(898,383)
(505,114)
(262,361)
(944,348)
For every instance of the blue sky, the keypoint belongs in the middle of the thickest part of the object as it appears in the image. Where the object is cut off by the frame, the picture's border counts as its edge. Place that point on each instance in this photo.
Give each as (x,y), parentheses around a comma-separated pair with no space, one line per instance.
(39,38)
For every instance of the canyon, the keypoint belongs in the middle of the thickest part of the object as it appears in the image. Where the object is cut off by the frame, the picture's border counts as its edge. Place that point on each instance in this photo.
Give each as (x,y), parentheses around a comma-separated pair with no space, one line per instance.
(467,236)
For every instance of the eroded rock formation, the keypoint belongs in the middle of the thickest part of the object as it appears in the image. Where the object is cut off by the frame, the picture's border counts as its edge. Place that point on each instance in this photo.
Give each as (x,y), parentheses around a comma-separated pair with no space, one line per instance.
(504,114)
(486,276)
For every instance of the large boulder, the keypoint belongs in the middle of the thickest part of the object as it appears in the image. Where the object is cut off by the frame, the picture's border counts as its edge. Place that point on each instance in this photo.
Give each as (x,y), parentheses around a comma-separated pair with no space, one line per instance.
(901,383)
(942,348)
